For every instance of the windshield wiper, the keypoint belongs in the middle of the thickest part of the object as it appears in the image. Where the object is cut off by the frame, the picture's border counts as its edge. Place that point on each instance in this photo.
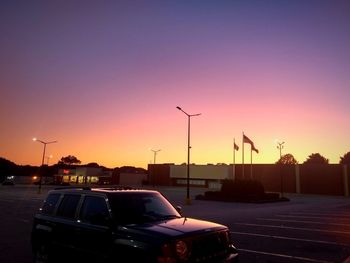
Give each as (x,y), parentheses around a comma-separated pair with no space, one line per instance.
(164,217)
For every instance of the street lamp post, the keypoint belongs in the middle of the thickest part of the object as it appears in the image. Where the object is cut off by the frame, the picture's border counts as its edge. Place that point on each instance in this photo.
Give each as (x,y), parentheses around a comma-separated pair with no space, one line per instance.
(280,147)
(154,155)
(153,177)
(188,199)
(48,159)
(42,161)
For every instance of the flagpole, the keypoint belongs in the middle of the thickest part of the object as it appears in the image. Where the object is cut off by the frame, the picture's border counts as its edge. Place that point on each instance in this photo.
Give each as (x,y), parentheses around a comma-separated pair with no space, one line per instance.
(243,156)
(234,149)
(251,162)
(234,161)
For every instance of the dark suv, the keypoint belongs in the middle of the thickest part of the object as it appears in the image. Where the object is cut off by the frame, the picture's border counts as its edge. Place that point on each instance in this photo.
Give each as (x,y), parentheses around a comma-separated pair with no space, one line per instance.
(123,225)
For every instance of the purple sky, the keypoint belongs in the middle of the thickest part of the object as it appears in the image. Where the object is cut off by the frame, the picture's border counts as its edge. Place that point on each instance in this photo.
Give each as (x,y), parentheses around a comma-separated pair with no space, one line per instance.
(104,77)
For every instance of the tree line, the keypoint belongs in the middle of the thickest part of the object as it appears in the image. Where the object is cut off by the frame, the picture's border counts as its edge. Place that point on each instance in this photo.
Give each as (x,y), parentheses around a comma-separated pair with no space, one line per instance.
(314,158)
(8,168)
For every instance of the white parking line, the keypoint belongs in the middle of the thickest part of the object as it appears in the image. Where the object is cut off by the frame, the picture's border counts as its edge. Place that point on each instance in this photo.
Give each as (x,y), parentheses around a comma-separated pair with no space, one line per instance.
(286,256)
(302,221)
(296,228)
(290,238)
(322,214)
(314,217)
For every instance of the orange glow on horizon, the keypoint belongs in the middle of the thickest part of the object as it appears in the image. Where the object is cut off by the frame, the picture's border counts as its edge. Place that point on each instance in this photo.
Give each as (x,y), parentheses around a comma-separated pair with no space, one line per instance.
(106,86)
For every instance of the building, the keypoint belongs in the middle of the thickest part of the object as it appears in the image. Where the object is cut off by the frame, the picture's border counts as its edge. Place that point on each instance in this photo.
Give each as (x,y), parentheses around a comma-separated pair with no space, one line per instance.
(209,176)
(324,179)
(83,175)
(100,175)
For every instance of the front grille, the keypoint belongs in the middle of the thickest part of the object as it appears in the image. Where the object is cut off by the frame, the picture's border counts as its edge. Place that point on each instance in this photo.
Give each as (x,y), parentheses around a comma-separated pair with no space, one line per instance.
(209,248)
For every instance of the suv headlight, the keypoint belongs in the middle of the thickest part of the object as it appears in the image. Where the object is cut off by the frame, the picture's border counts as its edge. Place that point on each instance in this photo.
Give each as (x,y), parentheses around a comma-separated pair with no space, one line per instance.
(181,250)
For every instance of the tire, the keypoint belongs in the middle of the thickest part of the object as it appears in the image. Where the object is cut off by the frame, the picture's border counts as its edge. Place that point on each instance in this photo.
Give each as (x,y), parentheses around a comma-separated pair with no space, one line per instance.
(41,254)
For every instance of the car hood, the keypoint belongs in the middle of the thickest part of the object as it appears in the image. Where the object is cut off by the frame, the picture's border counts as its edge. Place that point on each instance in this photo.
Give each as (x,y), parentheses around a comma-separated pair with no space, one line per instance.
(178,227)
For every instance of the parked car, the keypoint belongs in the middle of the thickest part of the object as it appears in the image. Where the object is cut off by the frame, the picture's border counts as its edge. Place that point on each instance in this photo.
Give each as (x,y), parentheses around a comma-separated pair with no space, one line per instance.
(8,183)
(123,225)
(8,180)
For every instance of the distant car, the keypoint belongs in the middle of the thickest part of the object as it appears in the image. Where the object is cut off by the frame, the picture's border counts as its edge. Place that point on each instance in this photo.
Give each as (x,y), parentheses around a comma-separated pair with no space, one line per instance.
(8,183)
(124,225)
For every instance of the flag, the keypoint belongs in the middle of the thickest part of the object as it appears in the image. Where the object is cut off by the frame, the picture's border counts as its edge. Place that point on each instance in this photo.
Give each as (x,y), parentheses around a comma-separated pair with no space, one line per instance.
(235,146)
(255,149)
(247,140)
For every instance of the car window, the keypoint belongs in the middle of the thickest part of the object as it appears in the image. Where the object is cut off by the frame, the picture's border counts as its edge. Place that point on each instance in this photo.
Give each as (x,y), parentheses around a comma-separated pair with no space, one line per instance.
(131,208)
(68,206)
(94,210)
(50,204)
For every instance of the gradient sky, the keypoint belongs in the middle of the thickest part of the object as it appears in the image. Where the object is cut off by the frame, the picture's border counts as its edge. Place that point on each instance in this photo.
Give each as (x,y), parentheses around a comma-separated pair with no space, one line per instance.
(103,78)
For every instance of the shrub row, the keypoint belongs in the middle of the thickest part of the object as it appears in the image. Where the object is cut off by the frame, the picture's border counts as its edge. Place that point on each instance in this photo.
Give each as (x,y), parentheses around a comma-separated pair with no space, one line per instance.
(241,191)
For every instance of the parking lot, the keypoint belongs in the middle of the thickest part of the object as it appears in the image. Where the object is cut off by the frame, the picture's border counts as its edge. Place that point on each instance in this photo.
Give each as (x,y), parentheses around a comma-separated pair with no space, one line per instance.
(305,229)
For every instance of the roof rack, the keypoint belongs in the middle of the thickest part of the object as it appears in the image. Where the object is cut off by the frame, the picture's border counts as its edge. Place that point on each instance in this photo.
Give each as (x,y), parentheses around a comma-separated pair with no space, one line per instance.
(73,187)
(118,188)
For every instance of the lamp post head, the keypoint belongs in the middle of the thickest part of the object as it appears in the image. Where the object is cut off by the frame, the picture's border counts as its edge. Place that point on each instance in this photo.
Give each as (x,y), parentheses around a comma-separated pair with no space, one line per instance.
(279,143)
(37,140)
(178,108)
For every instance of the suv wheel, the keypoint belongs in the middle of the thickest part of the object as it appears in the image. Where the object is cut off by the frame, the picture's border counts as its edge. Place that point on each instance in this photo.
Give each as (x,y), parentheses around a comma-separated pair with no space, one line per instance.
(41,254)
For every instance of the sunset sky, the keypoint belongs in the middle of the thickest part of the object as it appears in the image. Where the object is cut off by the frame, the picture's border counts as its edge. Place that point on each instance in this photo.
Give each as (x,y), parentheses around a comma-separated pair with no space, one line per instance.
(103,78)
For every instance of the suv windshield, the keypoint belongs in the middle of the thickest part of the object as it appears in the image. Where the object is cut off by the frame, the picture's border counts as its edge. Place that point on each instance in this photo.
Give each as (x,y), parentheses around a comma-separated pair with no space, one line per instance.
(134,207)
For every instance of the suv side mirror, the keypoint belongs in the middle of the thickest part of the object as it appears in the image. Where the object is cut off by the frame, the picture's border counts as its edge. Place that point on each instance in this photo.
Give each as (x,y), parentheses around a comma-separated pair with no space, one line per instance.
(179,209)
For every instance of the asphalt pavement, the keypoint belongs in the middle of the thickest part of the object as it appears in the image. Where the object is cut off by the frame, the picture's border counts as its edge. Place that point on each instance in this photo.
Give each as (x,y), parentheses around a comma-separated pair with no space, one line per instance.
(306,229)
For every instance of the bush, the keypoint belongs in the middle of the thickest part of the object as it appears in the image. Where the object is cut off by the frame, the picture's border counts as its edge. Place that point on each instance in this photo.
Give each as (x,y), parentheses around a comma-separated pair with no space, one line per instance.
(242,188)
(241,191)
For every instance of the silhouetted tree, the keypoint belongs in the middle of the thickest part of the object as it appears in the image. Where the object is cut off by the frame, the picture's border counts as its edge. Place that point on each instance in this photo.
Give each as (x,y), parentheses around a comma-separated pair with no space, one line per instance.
(6,168)
(10,168)
(287,159)
(345,159)
(316,158)
(130,169)
(69,160)
(27,170)
(96,165)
